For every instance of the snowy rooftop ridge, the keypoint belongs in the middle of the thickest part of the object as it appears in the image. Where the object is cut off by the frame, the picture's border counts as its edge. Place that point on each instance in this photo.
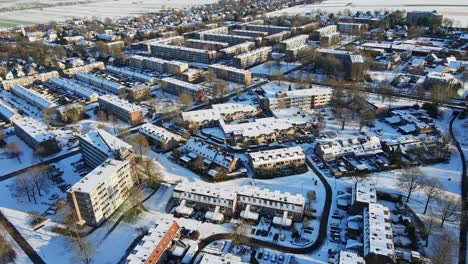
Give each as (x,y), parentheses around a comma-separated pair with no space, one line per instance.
(33,96)
(105,141)
(6,111)
(124,104)
(206,190)
(267,194)
(276,155)
(98,176)
(378,230)
(261,126)
(364,192)
(158,133)
(191,86)
(150,242)
(36,129)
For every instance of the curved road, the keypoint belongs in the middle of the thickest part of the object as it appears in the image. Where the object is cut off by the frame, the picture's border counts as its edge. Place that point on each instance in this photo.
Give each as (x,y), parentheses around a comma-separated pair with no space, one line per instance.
(264,244)
(464,198)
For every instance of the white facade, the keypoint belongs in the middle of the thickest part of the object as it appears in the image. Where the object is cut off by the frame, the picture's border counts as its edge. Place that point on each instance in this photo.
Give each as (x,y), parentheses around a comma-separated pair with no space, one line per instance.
(277,158)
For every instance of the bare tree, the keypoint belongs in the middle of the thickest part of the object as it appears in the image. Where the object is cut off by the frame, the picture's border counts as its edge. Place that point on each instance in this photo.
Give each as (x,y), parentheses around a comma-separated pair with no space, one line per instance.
(311,196)
(449,209)
(239,233)
(220,89)
(442,250)
(428,229)
(115,122)
(38,176)
(13,150)
(7,253)
(134,207)
(344,116)
(185,100)
(410,180)
(85,251)
(366,117)
(210,77)
(24,186)
(432,189)
(141,144)
(153,173)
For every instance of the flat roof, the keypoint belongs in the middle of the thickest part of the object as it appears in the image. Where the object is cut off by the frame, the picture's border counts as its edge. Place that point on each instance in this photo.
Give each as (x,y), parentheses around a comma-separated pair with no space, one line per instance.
(380,234)
(34,128)
(121,103)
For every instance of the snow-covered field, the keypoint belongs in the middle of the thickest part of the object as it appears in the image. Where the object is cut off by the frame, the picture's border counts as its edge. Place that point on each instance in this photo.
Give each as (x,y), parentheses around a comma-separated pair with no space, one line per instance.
(97,8)
(454,9)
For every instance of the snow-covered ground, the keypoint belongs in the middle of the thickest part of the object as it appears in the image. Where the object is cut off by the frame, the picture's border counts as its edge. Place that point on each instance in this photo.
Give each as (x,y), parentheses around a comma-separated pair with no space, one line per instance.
(454,9)
(101,9)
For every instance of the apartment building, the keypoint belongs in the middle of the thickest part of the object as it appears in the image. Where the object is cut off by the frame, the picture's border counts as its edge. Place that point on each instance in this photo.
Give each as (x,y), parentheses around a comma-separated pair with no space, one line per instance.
(276,97)
(232,74)
(121,108)
(439,79)
(178,87)
(217,30)
(253,57)
(276,38)
(330,150)
(183,53)
(138,92)
(378,235)
(253,202)
(250,33)
(212,156)
(226,112)
(160,137)
(27,80)
(351,28)
(105,85)
(146,44)
(293,42)
(266,28)
(157,64)
(73,88)
(97,195)
(238,49)
(97,146)
(85,68)
(293,54)
(230,39)
(353,65)
(36,135)
(140,77)
(206,44)
(277,159)
(327,35)
(226,259)
(153,247)
(33,97)
(218,202)
(323,31)
(8,113)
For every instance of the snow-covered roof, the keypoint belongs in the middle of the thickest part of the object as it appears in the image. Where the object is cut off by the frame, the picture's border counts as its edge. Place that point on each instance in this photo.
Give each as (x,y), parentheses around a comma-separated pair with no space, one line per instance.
(213,259)
(158,133)
(351,145)
(254,52)
(151,242)
(74,88)
(440,76)
(184,48)
(261,126)
(206,190)
(209,153)
(191,86)
(276,155)
(121,103)
(266,194)
(34,128)
(94,80)
(99,175)
(105,141)
(347,257)
(7,112)
(272,90)
(229,68)
(378,231)
(364,192)
(131,74)
(33,97)
(206,115)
